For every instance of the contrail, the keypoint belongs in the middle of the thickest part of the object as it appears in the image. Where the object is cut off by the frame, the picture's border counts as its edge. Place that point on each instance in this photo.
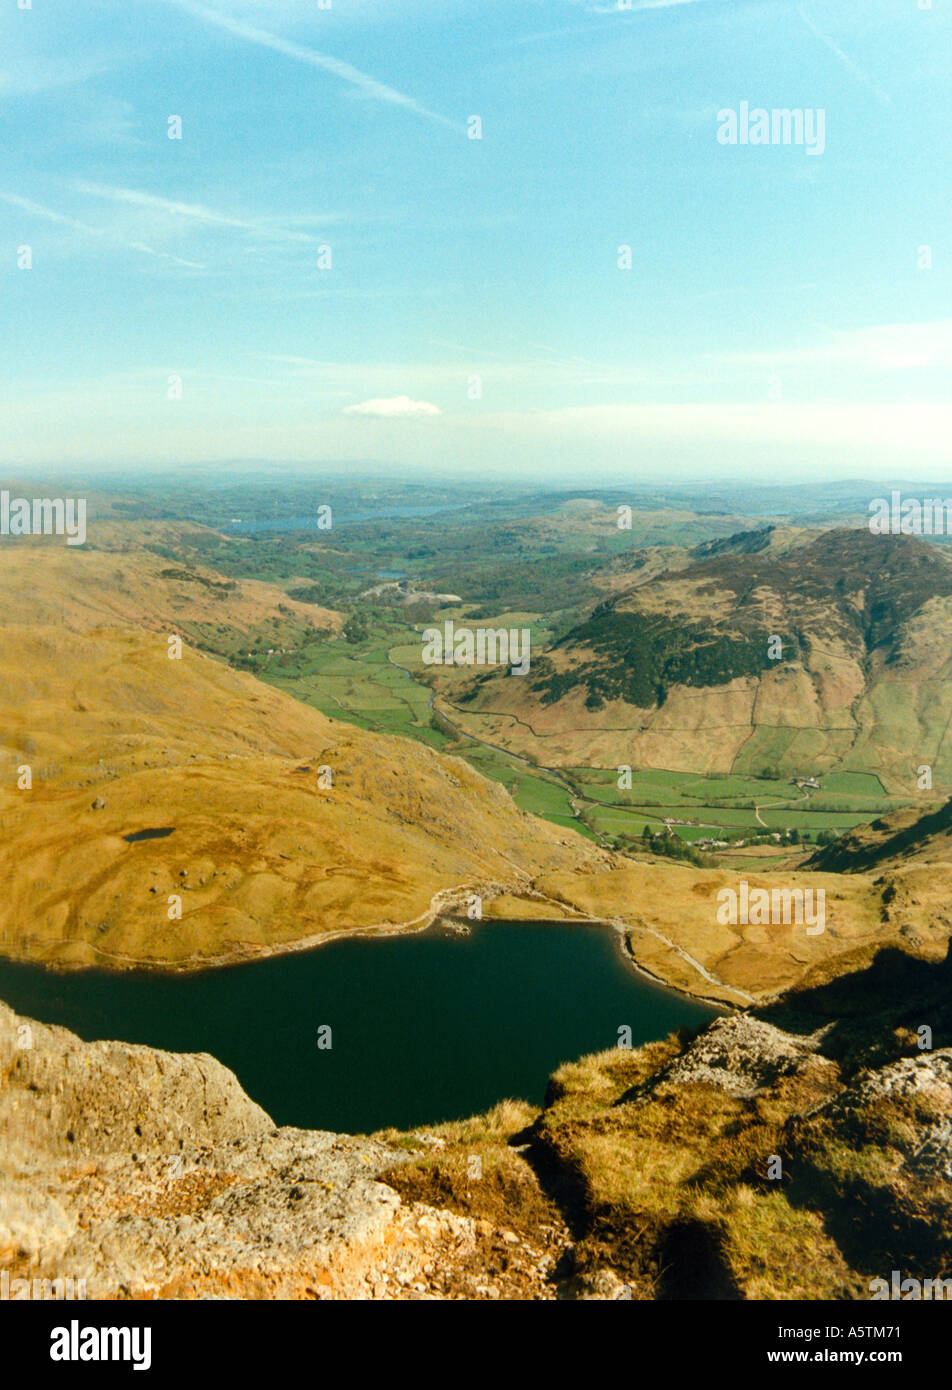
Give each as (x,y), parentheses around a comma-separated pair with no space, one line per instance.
(196,212)
(845,58)
(40,211)
(369,85)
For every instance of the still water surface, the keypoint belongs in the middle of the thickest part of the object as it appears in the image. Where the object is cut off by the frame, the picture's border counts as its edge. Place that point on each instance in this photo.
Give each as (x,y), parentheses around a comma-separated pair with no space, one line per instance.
(425,1027)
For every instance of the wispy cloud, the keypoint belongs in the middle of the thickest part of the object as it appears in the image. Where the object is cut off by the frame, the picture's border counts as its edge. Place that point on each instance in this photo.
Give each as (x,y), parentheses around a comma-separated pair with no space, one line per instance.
(33,76)
(110,121)
(194,212)
(50,215)
(861,76)
(315,59)
(878,348)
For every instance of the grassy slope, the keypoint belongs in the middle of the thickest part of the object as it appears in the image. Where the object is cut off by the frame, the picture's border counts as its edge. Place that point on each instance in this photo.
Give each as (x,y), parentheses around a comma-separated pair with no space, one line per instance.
(262,854)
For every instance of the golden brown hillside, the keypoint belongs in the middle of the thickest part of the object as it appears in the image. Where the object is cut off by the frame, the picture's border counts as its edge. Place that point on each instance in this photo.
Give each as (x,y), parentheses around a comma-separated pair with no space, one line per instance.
(667,915)
(117,738)
(115,579)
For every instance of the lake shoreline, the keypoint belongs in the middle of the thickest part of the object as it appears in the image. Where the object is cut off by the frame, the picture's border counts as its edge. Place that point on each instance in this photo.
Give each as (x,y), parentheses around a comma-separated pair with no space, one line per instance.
(439,910)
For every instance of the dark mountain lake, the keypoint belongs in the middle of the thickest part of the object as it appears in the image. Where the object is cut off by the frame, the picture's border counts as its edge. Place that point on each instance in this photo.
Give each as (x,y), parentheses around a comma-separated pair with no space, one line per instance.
(425,1027)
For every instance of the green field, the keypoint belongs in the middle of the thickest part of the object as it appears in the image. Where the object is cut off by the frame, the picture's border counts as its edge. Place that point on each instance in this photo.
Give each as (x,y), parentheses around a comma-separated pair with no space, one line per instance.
(364,682)
(373,676)
(357,682)
(724,805)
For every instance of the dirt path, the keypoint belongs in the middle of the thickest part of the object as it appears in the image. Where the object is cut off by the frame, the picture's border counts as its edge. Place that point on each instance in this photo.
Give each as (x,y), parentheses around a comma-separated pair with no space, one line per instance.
(775,805)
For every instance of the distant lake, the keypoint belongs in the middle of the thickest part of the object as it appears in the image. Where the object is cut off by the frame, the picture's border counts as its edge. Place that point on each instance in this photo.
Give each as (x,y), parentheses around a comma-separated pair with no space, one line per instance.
(309,523)
(425,1027)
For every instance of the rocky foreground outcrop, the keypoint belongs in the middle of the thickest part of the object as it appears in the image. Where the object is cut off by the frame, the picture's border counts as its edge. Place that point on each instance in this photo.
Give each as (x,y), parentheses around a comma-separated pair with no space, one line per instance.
(800,1151)
(151,1174)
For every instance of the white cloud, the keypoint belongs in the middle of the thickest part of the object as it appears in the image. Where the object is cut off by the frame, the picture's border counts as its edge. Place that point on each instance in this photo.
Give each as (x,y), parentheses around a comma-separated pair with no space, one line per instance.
(393,408)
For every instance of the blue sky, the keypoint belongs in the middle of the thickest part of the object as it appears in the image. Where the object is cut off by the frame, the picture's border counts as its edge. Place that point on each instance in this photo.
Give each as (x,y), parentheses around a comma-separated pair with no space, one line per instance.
(776,314)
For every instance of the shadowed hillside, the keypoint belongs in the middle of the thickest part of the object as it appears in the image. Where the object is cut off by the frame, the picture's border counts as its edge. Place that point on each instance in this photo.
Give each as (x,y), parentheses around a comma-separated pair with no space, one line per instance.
(795,1152)
(890,841)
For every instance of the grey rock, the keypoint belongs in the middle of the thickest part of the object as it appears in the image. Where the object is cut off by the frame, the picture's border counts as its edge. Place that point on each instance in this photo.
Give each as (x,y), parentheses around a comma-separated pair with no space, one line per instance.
(740,1054)
(153,1172)
(927,1078)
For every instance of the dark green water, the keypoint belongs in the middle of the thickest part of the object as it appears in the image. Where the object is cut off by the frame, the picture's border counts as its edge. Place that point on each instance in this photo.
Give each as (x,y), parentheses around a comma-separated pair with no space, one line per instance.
(425,1028)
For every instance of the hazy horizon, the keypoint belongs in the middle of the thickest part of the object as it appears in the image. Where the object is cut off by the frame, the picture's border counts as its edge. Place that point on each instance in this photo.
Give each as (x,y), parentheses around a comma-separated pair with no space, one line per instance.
(325,266)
